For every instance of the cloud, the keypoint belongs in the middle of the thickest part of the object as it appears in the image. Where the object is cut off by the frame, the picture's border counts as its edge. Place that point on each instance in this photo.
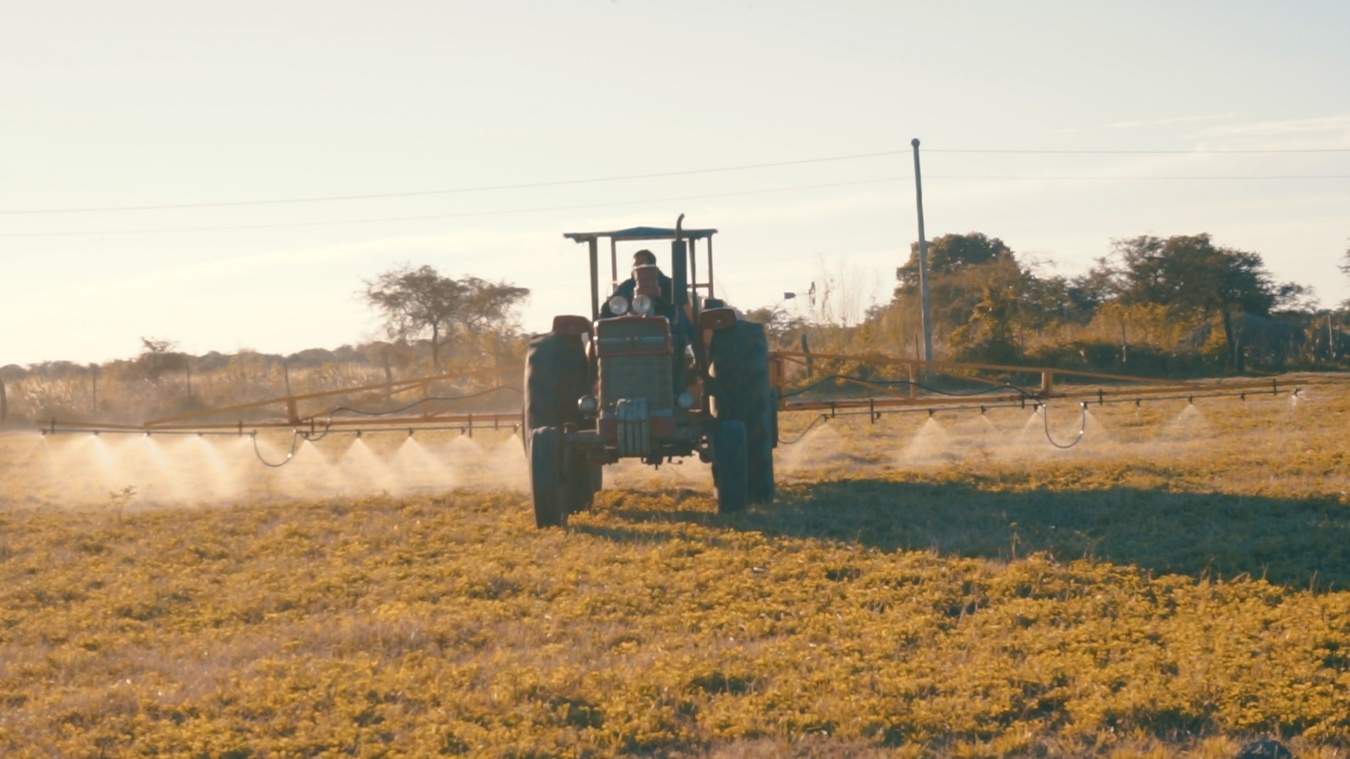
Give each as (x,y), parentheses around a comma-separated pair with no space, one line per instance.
(1337,125)
(1321,133)
(1145,123)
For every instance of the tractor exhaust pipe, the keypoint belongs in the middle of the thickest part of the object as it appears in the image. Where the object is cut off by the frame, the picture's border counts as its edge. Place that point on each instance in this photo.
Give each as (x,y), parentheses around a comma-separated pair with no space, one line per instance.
(679,279)
(679,265)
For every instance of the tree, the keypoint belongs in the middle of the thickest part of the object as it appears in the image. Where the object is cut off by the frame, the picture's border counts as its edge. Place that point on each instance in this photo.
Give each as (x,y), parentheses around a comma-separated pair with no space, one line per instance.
(159,356)
(959,267)
(950,254)
(488,306)
(1194,280)
(986,301)
(989,335)
(421,303)
(779,325)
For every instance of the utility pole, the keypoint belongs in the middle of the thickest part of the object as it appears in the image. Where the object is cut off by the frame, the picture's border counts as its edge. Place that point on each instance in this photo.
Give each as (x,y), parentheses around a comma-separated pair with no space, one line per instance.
(923,258)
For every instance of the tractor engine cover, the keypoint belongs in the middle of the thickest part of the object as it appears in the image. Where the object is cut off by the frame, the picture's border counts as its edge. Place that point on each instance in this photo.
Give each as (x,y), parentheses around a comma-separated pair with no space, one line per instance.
(637,400)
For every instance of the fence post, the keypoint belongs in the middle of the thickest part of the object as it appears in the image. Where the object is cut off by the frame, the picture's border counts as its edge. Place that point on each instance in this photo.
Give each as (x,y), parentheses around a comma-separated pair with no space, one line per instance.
(1331,341)
(4,404)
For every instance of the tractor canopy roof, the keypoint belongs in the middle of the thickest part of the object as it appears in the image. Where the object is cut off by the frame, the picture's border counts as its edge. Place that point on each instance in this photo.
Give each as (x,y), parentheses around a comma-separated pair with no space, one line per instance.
(641,233)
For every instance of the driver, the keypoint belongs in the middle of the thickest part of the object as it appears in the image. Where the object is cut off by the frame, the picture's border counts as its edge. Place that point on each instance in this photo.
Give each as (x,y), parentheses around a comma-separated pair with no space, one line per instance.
(628,288)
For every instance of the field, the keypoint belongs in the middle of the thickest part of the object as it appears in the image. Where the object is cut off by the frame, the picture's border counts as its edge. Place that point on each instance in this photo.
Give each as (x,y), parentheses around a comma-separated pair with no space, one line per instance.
(1177,584)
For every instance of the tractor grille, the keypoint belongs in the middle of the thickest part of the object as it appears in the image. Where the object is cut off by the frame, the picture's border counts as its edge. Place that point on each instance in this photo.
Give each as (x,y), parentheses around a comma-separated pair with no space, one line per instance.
(635,363)
(635,377)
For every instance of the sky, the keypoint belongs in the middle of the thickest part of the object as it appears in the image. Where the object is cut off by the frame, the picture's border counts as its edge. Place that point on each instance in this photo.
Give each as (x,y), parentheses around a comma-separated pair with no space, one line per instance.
(226,176)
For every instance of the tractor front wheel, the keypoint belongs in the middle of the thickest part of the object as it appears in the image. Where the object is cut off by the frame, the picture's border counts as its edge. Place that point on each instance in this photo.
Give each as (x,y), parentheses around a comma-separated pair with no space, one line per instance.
(546,483)
(556,375)
(581,482)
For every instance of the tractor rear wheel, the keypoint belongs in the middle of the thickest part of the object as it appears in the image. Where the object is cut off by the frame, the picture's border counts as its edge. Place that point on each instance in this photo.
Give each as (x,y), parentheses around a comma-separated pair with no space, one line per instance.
(742,392)
(546,483)
(729,467)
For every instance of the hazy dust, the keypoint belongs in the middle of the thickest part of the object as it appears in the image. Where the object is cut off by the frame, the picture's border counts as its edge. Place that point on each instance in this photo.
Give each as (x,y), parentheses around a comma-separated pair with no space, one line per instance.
(167,471)
(176,471)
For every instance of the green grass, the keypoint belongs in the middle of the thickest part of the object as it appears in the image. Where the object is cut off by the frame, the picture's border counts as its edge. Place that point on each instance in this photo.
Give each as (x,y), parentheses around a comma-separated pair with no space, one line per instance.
(1153,592)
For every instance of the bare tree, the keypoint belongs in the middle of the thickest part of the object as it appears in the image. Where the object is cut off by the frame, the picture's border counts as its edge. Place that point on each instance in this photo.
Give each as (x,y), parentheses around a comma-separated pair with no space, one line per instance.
(159,356)
(421,303)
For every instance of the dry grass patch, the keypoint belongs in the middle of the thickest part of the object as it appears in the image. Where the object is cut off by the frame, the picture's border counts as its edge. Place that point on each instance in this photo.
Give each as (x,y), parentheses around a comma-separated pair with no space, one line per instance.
(1105,602)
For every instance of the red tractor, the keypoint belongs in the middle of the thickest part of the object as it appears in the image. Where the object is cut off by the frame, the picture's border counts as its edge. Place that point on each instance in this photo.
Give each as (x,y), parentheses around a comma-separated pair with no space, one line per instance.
(659,370)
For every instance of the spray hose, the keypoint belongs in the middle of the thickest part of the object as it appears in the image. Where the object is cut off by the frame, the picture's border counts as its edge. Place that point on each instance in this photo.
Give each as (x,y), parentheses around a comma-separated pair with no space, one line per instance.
(1044,411)
(295,443)
(818,420)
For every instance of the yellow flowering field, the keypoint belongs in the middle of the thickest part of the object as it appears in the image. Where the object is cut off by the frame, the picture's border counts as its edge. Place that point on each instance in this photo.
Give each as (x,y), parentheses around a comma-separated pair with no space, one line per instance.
(1178,584)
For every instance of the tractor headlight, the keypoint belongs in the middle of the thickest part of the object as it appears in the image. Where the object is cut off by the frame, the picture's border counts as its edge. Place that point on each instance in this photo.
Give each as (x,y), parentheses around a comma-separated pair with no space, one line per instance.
(686,400)
(643,305)
(587,404)
(618,305)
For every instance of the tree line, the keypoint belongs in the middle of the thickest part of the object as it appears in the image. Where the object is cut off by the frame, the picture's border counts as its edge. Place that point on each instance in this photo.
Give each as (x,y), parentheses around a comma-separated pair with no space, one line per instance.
(1162,306)
(434,324)
(1175,305)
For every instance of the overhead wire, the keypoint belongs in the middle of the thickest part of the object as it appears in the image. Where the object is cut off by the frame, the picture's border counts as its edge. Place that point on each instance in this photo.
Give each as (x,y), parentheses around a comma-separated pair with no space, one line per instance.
(453,191)
(1138,152)
(652,175)
(706,196)
(469,214)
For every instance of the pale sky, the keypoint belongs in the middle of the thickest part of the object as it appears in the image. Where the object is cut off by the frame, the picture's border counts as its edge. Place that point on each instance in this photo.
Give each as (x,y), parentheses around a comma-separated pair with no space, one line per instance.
(110,105)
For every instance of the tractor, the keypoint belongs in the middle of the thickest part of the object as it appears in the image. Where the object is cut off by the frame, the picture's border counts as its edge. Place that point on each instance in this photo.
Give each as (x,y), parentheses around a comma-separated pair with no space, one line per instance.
(659,371)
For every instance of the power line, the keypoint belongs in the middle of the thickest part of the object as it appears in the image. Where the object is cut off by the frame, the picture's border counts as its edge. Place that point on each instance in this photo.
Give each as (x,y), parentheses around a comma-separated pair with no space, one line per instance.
(543,209)
(631,177)
(452,215)
(1138,152)
(458,190)
(1142,178)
